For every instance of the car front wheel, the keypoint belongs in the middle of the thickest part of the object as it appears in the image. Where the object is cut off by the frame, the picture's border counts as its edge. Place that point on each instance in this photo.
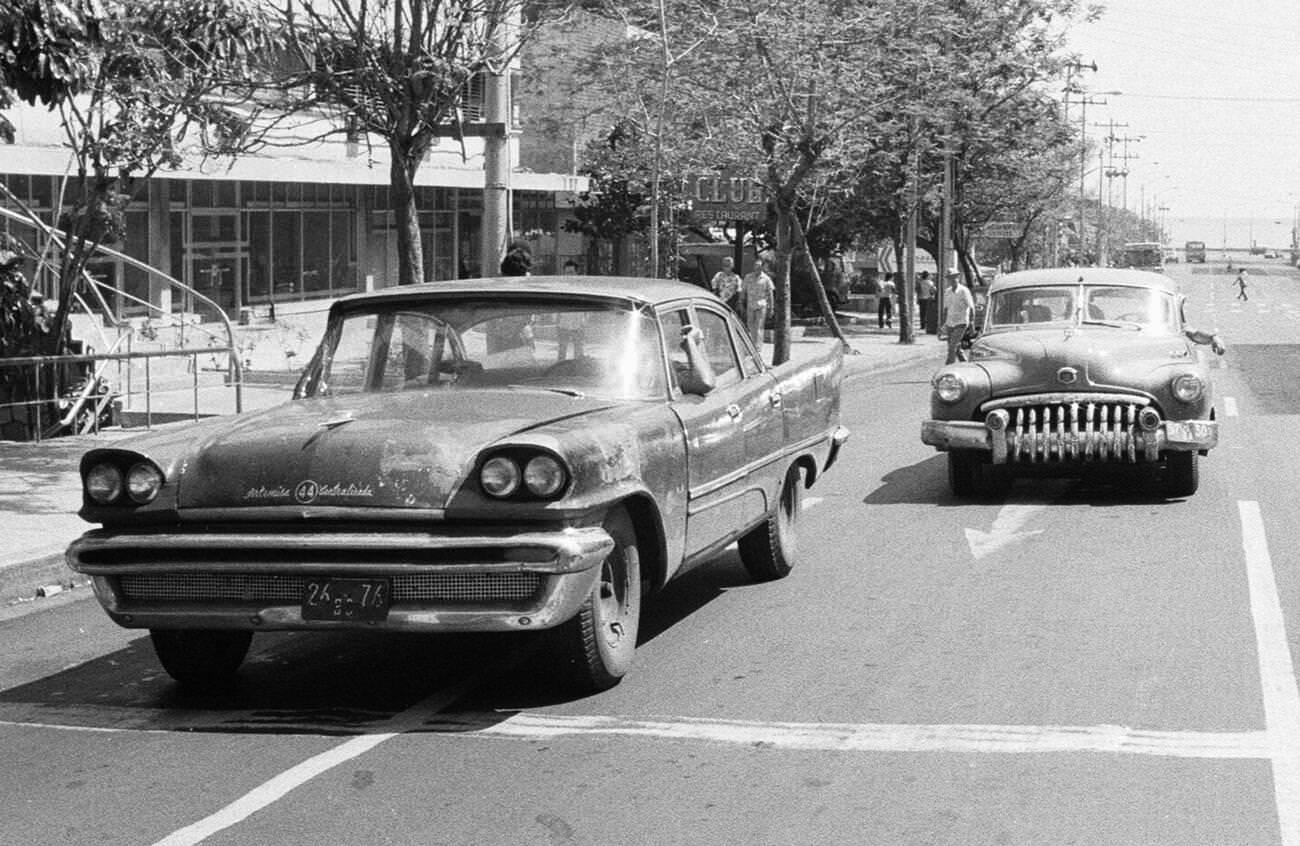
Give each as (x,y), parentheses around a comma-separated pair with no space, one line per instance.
(1182,474)
(200,656)
(769,550)
(598,644)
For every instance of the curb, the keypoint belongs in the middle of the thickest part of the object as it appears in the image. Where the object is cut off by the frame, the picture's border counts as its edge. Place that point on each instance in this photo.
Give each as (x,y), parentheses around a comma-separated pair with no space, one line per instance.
(22,581)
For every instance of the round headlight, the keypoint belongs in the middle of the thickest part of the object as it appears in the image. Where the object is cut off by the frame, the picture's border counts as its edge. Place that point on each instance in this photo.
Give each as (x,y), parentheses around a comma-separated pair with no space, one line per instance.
(103,483)
(544,476)
(1188,387)
(949,387)
(143,481)
(499,476)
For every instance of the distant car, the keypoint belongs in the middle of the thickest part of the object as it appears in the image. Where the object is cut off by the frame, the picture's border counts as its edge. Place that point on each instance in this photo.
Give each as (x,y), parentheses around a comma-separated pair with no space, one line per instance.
(1076,368)
(1270,254)
(514,454)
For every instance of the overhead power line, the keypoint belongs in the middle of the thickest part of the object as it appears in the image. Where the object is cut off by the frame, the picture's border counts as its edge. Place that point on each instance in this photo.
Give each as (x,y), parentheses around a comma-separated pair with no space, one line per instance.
(1202,97)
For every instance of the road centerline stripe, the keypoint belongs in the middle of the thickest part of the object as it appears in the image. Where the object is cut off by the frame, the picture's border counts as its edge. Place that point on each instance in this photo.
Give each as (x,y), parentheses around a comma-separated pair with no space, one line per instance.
(866,737)
(1276,672)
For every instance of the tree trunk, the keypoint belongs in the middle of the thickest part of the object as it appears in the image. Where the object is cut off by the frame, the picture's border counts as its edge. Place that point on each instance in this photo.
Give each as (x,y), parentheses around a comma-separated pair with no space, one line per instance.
(823,302)
(410,251)
(781,295)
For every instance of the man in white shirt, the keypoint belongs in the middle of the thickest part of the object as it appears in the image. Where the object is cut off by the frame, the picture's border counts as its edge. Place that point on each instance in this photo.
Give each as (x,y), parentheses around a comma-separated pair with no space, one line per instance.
(958,312)
(756,293)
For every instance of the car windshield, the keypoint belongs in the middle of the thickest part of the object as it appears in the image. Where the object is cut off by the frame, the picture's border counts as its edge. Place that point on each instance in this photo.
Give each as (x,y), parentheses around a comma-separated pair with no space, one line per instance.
(1128,305)
(587,348)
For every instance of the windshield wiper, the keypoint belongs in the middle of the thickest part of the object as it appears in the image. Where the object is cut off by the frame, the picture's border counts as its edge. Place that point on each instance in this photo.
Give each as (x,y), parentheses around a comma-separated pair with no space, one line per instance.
(568,392)
(1113,324)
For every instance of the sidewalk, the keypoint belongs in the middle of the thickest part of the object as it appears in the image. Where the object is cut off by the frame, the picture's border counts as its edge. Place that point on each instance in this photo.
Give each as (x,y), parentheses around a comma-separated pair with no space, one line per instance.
(40,490)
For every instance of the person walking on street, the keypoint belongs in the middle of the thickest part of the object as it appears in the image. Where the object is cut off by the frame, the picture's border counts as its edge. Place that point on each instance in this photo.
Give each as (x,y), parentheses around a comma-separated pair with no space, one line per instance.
(756,292)
(885,303)
(1240,282)
(958,312)
(726,284)
(924,298)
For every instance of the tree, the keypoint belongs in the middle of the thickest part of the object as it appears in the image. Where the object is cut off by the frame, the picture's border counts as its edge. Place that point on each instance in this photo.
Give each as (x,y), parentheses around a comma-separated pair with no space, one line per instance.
(401,71)
(775,89)
(134,82)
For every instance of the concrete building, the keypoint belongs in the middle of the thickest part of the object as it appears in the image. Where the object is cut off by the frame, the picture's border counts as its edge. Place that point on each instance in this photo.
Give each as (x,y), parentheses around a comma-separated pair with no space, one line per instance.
(292,224)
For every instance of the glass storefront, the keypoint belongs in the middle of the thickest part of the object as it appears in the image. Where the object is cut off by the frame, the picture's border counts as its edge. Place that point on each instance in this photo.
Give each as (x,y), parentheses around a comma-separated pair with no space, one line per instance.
(253,243)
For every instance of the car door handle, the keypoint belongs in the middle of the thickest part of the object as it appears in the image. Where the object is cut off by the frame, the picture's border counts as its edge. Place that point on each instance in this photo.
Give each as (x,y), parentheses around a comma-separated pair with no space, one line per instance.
(775,399)
(733,411)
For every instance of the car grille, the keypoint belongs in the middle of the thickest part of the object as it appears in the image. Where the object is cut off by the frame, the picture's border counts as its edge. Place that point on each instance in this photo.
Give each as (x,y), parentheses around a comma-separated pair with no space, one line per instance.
(235,587)
(1071,431)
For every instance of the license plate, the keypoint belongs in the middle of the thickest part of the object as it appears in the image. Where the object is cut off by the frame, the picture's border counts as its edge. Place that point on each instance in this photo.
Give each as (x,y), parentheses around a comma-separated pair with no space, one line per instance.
(364,600)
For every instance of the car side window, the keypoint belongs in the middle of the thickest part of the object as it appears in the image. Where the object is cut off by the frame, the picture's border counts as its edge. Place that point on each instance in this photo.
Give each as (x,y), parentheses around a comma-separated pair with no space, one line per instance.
(750,363)
(718,348)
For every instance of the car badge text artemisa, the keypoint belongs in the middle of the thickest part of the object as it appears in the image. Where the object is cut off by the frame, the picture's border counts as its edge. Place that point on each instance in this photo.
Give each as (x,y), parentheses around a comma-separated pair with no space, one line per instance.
(308,491)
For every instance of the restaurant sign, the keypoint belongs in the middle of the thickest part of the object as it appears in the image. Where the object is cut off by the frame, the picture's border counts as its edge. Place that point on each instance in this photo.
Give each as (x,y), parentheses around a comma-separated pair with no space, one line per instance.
(723,197)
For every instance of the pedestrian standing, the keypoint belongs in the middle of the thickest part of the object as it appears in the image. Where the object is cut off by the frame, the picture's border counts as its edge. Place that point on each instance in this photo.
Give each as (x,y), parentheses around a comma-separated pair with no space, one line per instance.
(925,298)
(885,303)
(726,284)
(958,313)
(756,292)
(1240,282)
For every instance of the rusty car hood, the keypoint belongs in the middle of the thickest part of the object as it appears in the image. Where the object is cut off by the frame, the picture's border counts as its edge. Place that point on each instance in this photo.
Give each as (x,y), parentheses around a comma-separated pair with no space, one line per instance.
(407,450)
(1095,358)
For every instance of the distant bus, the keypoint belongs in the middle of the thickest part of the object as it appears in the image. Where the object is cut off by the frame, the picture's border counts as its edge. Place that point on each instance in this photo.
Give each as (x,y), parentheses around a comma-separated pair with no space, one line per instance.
(1142,255)
(1195,252)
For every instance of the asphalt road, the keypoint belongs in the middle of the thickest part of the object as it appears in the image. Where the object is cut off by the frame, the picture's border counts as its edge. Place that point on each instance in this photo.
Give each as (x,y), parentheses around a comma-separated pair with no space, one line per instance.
(1076,663)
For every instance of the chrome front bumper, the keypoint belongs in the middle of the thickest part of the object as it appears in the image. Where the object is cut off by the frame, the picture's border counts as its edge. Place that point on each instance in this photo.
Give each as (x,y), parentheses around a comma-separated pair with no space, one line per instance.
(246,580)
(1119,442)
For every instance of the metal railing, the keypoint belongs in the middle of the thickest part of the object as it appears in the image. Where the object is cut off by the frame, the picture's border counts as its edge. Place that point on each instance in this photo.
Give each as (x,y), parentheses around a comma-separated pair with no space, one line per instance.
(92,398)
(88,397)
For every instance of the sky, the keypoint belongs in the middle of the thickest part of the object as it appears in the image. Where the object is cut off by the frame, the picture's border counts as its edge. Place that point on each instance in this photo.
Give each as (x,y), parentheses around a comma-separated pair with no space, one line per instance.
(1210,93)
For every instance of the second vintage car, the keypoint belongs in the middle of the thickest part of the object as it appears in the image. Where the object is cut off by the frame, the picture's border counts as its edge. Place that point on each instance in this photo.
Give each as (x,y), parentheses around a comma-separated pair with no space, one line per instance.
(513,454)
(1077,368)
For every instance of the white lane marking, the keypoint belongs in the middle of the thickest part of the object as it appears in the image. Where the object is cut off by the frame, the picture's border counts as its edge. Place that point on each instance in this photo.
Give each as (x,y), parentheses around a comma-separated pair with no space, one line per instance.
(871,737)
(1276,673)
(278,787)
(1004,531)
(1230,406)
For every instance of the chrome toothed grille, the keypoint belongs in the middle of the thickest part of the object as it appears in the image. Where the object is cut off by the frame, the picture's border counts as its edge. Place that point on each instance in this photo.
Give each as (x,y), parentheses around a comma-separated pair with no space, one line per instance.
(1071,430)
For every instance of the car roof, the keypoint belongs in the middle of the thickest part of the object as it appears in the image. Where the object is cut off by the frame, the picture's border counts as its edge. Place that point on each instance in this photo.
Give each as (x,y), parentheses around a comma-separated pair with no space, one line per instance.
(1083,276)
(629,289)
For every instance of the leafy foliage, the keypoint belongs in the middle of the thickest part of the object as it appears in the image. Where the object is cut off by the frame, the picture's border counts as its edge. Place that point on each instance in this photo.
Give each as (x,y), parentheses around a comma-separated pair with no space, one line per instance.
(399,70)
(132,80)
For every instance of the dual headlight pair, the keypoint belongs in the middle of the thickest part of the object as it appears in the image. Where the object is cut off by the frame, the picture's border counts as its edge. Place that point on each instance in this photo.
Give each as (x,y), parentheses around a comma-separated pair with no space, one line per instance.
(951,387)
(506,475)
(106,484)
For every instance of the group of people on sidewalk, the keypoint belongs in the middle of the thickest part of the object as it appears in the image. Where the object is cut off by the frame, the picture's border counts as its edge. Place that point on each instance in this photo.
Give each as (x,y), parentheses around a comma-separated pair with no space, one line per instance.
(958,308)
(750,296)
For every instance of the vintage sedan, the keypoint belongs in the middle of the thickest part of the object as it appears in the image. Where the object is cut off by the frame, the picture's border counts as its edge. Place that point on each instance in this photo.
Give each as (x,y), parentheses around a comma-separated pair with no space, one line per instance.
(513,454)
(1077,368)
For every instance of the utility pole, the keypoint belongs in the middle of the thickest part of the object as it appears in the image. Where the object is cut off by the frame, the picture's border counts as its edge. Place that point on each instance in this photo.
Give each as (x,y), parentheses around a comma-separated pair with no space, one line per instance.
(1073,69)
(496,156)
(1085,101)
(1126,156)
(1106,160)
